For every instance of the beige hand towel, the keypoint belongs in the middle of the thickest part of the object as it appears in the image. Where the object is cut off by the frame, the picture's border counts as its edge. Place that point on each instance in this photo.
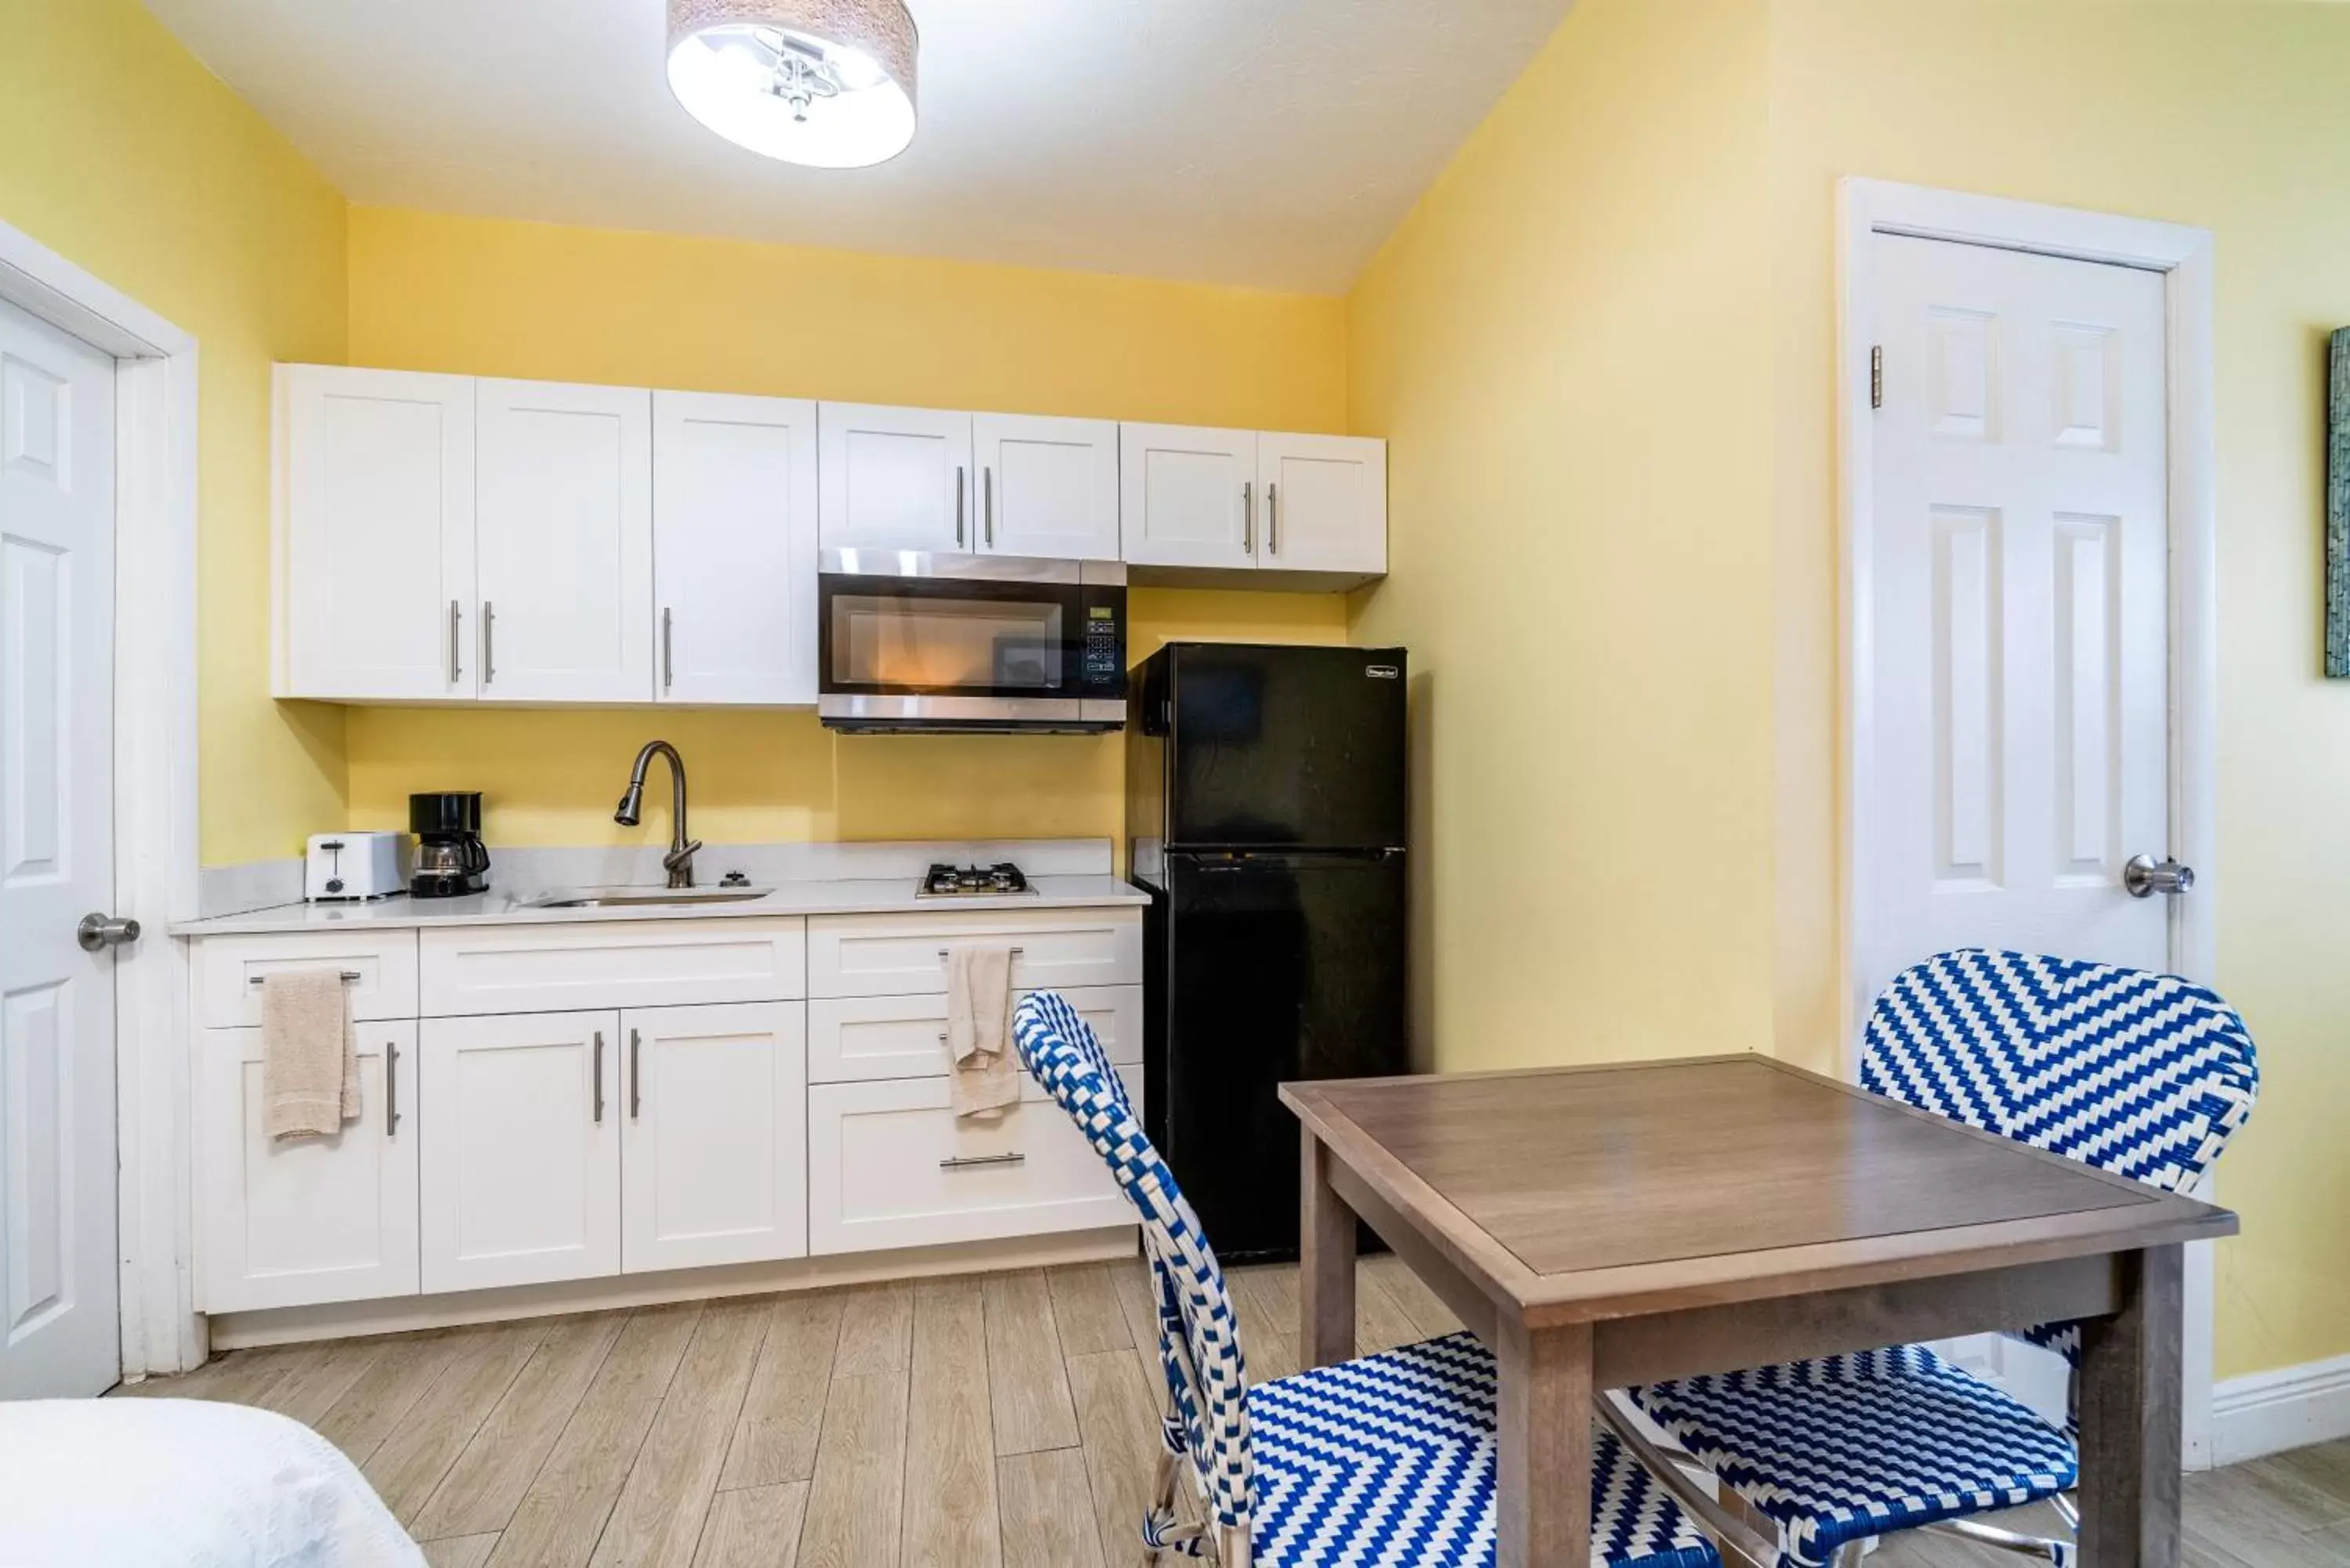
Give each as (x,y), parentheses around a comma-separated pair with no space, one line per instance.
(986,1078)
(309,1078)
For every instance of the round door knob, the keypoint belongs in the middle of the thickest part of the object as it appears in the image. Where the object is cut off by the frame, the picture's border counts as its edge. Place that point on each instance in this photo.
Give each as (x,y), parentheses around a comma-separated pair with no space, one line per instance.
(2144,877)
(100,931)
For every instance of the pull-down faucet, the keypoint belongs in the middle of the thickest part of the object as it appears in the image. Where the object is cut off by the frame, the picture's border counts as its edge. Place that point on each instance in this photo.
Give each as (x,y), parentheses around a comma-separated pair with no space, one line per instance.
(679,858)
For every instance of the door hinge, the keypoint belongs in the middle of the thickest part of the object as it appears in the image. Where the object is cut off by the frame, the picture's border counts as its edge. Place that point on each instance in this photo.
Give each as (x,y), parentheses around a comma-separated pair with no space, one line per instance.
(1877,376)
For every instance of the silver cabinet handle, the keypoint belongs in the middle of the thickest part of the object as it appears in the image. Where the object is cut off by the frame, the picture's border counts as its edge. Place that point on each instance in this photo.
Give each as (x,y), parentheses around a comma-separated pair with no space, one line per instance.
(1248,519)
(349,976)
(390,1088)
(489,633)
(2144,877)
(987,478)
(962,480)
(1273,519)
(967,1162)
(636,1074)
(456,646)
(1014,951)
(599,1078)
(669,653)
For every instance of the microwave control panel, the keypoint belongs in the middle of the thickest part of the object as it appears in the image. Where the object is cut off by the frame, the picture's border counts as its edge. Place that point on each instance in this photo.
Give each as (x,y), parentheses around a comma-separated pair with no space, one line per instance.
(1102,656)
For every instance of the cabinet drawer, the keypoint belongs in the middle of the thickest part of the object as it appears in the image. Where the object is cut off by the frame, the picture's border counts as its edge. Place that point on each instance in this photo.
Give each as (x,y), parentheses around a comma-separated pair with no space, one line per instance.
(564,968)
(229,970)
(853,1039)
(901,955)
(878,1177)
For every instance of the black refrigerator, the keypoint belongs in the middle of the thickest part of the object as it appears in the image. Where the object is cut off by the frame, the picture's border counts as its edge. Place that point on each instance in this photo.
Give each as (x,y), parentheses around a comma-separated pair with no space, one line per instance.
(1265,812)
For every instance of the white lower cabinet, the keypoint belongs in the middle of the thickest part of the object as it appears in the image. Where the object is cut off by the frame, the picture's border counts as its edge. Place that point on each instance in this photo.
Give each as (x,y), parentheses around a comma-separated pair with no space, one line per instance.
(858,1037)
(889,1165)
(713,1142)
(310,1219)
(580,1102)
(520,1150)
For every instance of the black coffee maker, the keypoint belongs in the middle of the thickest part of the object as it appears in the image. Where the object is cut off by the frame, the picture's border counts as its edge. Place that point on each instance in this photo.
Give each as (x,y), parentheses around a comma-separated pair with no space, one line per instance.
(451,859)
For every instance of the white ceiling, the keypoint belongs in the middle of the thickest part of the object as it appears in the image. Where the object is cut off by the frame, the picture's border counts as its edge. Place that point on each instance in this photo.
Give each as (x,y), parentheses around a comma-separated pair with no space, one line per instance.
(1272,143)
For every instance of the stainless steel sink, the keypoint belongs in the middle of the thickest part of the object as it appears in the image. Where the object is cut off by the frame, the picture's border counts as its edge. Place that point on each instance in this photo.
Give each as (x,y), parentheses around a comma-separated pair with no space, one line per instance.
(638,898)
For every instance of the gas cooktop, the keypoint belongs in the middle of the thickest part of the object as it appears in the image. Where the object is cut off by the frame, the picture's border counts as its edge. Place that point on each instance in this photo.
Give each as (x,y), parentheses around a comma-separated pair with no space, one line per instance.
(973,882)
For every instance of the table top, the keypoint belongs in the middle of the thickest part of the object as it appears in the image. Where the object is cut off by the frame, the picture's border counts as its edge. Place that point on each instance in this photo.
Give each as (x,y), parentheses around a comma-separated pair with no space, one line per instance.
(1714,1178)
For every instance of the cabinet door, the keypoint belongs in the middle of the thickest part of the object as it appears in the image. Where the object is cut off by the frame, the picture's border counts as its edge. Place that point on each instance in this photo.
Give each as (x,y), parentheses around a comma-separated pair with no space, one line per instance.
(564,543)
(894,479)
(1325,503)
(1188,496)
(1047,487)
(714,1143)
(309,1220)
(734,503)
(521,1150)
(375,535)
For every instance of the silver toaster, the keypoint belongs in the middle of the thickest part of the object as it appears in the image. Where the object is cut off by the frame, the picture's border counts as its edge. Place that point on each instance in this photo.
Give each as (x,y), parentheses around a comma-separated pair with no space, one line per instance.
(347,866)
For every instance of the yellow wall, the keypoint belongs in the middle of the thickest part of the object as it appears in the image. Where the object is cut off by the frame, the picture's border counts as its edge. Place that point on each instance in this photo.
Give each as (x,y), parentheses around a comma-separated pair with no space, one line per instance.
(2229,118)
(1601,348)
(498,298)
(128,157)
(1560,343)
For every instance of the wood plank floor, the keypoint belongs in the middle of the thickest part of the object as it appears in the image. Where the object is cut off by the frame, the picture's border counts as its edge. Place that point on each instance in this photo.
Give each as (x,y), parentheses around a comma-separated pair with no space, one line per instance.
(1009,1422)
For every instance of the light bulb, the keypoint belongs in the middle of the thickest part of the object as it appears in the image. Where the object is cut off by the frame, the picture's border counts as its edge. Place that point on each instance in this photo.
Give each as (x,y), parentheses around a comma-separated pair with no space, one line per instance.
(784,92)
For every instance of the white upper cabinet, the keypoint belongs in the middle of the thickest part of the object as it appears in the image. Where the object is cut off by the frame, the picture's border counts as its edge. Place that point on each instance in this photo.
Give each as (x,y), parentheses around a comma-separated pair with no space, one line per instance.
(895,479)
(375,533)
(1188,496)
(734,548)
(1323,504)
(564,551)
(1047,487)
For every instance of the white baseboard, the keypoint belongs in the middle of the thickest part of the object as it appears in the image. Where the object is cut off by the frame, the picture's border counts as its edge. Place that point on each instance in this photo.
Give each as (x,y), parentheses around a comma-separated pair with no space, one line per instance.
(404,1314)
(2290,1408)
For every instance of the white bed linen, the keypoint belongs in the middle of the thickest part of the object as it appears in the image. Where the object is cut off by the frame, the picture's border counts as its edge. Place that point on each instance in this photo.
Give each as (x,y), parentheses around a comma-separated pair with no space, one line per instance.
(182,1483)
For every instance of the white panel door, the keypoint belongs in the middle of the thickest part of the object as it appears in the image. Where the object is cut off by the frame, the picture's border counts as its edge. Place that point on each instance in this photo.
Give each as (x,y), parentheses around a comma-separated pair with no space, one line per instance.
(2015,616)
(713,1149)
(1047,487)
(309,1219)
(377,534)
(1188,496)
(520,1118)
(564,543)
(60,1331)
(2018,609)
(1326,503)
(735,547)
(895,479)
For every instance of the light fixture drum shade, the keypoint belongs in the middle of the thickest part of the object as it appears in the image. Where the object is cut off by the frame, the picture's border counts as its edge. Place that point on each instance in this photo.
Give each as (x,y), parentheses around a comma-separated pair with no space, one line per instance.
(828,83)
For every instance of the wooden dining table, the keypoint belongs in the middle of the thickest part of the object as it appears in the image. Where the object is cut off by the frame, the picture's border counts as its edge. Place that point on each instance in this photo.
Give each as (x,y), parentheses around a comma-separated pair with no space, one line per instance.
(1604,1225)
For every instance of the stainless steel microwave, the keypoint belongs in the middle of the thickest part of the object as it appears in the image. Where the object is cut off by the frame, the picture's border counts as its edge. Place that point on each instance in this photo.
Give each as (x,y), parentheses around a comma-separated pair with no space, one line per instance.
(977,644)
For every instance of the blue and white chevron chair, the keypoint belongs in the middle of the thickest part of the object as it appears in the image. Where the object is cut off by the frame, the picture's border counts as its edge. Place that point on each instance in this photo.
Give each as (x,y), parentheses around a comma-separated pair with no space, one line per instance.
(1385,1461)
(2146,1075)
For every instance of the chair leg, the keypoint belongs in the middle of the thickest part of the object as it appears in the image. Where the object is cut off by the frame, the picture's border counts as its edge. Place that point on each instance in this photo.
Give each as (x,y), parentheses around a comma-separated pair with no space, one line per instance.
(1849,1554)
(1163,1501)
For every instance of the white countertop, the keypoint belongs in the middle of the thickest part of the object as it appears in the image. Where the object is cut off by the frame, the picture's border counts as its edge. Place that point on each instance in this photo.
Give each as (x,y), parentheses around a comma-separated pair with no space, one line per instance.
(510,907)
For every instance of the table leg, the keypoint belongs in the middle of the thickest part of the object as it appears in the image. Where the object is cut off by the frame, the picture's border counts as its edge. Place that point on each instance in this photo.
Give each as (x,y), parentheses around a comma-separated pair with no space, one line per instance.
(2130,1419)
(1325,1271)
(1542,1495)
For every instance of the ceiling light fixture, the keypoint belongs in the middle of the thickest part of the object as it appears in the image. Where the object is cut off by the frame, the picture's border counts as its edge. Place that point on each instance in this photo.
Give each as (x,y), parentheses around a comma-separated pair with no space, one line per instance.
(828,83)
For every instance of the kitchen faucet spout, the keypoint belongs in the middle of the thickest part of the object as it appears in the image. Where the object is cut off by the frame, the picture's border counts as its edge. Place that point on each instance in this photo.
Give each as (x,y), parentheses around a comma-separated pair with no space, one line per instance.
(679,861)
